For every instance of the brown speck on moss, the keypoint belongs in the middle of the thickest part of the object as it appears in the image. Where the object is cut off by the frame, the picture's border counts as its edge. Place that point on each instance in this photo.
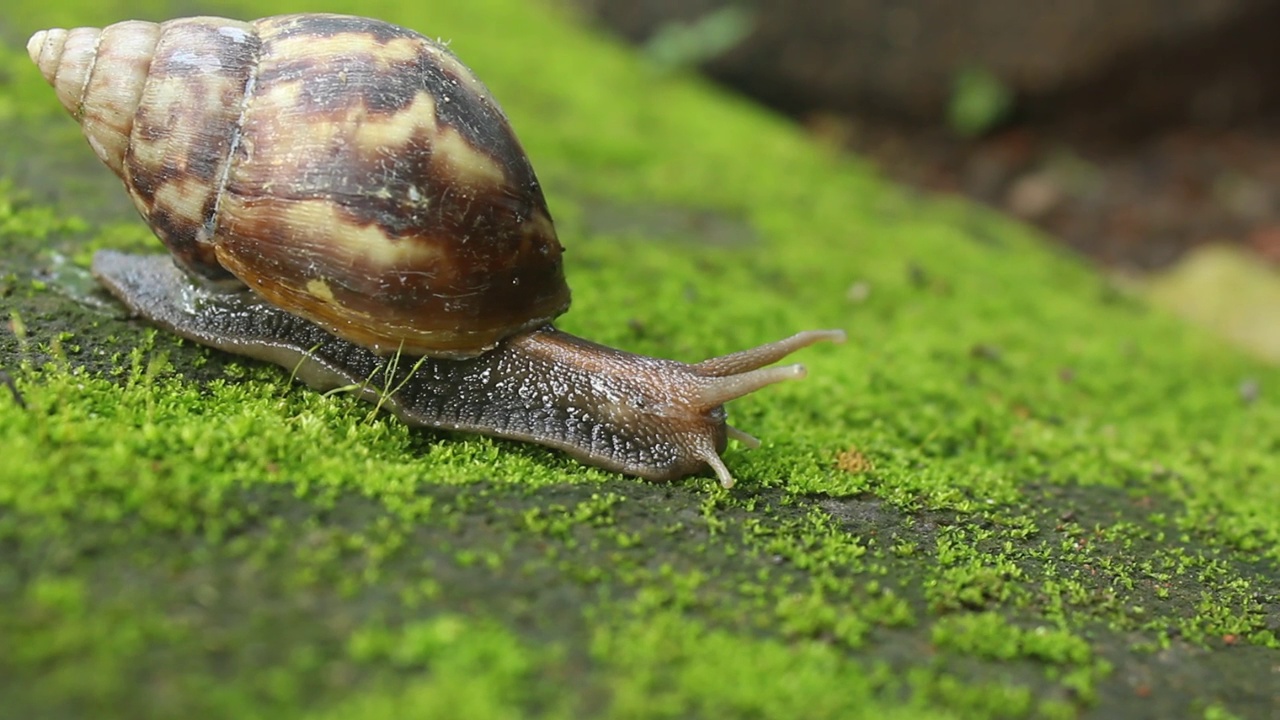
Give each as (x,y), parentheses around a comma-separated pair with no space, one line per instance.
(851,460)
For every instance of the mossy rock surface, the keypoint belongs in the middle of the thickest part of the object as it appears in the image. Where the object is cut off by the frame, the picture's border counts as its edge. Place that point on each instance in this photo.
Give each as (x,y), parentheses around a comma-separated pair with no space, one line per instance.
(1014,492)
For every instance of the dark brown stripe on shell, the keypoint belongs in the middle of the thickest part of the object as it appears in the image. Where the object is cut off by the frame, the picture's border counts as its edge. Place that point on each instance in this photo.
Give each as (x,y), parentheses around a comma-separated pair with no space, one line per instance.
(183,130)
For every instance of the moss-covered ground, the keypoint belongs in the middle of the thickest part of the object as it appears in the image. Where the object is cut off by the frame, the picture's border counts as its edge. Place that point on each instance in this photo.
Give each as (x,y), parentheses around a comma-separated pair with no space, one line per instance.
(1015,492)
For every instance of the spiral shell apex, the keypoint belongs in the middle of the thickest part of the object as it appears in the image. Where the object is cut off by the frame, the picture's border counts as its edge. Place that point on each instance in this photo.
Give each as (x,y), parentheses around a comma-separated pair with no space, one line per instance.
(70,59)
(350,171)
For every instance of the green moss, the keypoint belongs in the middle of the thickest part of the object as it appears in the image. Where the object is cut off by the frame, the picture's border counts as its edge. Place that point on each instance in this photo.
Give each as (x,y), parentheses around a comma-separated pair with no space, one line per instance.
(1014,493)
(668,666)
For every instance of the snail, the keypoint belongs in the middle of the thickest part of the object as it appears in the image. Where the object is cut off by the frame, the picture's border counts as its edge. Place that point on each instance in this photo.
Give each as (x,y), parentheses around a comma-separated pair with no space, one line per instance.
(342,197)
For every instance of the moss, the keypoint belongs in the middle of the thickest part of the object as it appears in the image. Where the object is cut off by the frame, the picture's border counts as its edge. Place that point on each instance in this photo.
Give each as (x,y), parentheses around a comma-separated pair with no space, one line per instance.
(1016,492)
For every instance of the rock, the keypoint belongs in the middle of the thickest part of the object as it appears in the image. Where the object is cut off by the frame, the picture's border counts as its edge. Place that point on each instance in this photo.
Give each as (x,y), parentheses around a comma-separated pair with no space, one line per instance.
(1120,61)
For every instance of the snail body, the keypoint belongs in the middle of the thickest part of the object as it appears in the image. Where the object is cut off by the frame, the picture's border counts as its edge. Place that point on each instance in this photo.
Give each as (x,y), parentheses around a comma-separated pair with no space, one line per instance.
(334,191)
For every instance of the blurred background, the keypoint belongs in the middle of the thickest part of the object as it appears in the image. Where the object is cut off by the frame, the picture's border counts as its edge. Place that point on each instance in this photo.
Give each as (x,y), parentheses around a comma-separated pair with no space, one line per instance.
(1140,133)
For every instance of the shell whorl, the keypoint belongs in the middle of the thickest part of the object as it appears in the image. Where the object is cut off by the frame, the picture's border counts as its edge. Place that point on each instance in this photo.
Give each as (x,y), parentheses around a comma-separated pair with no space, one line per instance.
(350,171)
(98,74)
(159,105)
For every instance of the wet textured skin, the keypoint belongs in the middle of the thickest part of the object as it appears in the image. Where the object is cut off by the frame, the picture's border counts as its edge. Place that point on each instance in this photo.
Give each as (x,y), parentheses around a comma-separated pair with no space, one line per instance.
(652,418)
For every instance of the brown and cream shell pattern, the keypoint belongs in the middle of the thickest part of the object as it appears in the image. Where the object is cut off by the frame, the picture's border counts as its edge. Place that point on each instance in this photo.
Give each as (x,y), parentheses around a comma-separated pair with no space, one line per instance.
(350,171)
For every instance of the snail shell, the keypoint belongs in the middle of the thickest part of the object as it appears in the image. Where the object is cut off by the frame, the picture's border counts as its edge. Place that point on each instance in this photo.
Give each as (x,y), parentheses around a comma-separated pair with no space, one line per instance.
(350,171)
